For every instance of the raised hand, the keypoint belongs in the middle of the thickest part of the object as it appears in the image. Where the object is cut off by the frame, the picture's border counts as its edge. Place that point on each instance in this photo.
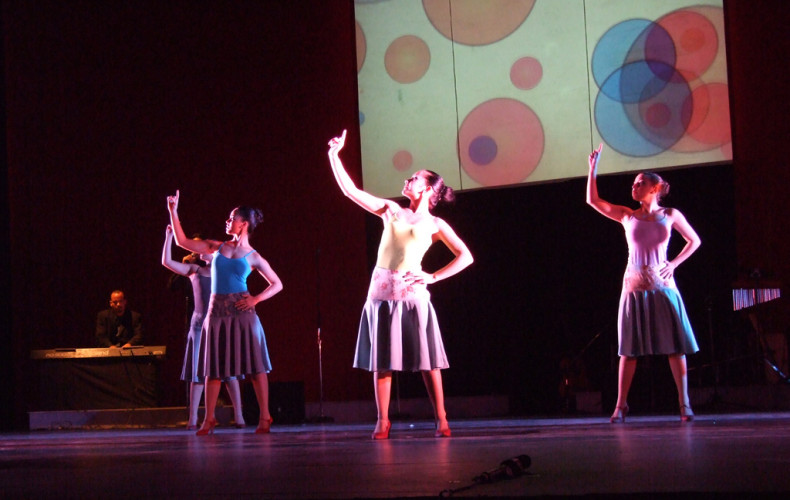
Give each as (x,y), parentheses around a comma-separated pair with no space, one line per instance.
(337,143)
(594,157)
(172,202)
(169,231)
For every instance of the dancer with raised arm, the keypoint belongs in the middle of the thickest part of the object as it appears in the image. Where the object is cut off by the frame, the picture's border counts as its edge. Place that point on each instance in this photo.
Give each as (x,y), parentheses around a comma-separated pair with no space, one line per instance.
(398,330)
(652,318)
(200,278)
(232,338)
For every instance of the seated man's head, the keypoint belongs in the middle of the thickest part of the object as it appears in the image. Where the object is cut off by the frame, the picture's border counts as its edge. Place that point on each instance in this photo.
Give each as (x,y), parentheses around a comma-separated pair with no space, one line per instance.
(118,302)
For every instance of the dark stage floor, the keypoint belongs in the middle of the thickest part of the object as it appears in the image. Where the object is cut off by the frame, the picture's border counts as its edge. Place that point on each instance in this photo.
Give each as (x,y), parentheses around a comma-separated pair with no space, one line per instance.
(722,454)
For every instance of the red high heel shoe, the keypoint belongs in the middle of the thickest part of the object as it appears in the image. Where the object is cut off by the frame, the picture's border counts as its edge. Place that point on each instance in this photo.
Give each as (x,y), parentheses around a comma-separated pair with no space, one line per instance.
(264,429)
(686,415)
(207,427)
(442,432)
(618,417)
(385,434)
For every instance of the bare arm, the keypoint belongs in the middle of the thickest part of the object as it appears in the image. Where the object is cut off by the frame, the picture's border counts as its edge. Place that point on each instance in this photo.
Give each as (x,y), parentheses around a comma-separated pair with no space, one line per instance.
(693,242)
(463,257)
(177,267)
(197,246)
(365,200)
(275,285)
(614,212)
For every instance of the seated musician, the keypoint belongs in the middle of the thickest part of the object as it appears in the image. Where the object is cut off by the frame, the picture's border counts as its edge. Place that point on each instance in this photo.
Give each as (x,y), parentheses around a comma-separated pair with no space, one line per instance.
(118,326)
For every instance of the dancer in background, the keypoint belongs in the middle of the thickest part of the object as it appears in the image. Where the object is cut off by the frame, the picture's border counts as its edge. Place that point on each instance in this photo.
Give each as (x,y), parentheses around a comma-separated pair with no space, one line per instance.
(232,339)
(652,318)
(399,330)
(200,277)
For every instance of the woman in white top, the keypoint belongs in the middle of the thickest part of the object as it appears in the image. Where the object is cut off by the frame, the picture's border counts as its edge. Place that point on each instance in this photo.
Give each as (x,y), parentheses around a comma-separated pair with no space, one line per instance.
(398,330)
(652,318)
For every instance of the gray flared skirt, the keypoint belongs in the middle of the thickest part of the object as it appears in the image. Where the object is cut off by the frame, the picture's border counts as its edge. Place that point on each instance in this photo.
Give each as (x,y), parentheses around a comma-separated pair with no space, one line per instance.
(398,330)
(654,322)
(232,342)
(192,351)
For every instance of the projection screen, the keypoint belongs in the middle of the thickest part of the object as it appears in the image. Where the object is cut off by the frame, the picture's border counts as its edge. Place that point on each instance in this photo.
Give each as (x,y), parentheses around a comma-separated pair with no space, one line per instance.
(508,92)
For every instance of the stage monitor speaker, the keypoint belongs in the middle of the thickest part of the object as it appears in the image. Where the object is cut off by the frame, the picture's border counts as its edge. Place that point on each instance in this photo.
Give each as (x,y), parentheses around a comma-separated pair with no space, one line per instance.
(286,403)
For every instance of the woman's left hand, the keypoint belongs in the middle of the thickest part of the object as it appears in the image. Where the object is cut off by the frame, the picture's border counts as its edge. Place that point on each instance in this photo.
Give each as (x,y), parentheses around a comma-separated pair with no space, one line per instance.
(667,271)
(419,278)
(246,304)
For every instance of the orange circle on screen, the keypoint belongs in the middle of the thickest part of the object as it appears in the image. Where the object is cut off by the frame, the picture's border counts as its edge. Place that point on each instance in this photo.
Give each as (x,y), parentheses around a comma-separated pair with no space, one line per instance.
(407,59)
(526,73)
(475,22)
(402,161)
(501,142)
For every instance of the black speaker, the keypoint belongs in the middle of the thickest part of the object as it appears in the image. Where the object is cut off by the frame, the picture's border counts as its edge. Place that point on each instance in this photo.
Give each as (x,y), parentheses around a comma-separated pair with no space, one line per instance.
(286,402)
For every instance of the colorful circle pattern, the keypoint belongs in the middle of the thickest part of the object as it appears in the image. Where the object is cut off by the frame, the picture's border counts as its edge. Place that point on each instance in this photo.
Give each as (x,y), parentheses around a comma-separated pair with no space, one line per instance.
(500,142)
(651,94)
(407,59)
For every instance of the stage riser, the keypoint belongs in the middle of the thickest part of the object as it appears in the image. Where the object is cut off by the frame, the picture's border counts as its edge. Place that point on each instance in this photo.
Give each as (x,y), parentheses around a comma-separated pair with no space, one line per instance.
(283,411)
(763,398)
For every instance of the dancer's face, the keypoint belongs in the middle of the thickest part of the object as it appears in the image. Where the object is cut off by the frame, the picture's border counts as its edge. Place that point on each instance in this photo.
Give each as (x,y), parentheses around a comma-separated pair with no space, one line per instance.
(415,185)
(642,189)
(235,223)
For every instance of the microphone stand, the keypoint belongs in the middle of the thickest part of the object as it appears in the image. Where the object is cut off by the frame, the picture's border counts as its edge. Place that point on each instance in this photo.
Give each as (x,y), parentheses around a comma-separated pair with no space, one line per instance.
(321,417)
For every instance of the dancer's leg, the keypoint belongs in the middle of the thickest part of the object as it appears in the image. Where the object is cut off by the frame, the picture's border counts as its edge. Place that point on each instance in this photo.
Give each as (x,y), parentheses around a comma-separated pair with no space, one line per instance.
(382,385)
(433,384)
(234,391)
(195,393)
(677,363)
(213,386)
(625,376)
(260,382)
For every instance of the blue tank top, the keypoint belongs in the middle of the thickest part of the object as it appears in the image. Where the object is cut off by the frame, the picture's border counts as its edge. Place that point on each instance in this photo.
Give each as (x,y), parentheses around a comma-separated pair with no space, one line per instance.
(229,275)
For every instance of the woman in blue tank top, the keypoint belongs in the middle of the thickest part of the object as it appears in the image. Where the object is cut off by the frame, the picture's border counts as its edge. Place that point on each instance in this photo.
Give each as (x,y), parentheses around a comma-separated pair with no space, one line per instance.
(200,278)
(232,339)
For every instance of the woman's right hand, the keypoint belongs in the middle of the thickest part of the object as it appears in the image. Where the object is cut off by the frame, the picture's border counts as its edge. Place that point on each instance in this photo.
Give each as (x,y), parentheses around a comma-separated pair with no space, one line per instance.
(168,232)
(594,157)
(172,202)
(336,144)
